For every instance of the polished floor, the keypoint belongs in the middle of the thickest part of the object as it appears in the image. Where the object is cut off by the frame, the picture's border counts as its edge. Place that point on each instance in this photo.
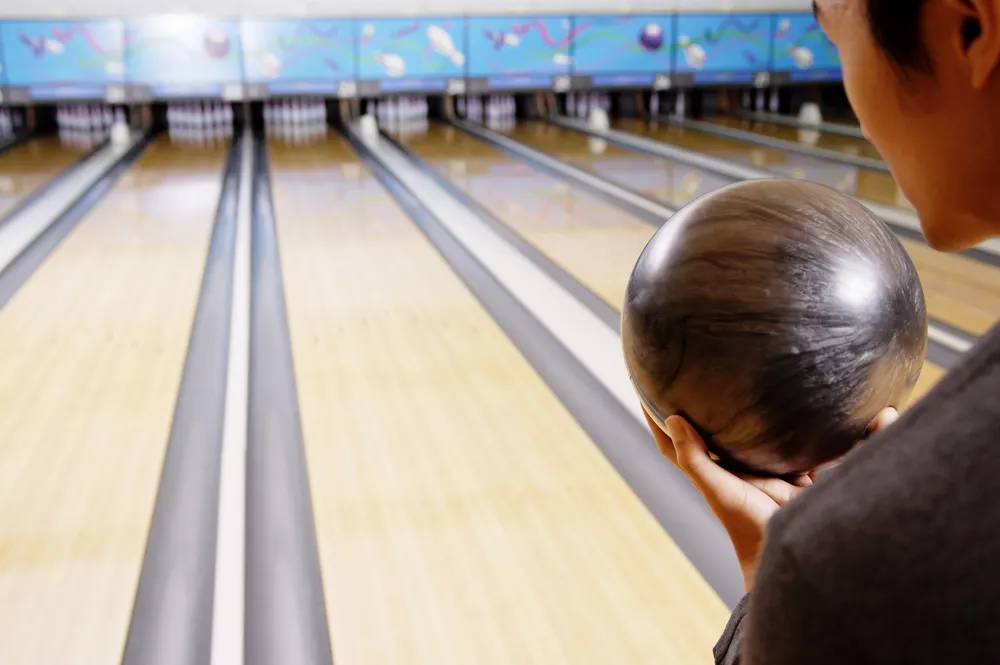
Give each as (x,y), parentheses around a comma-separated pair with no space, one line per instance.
(93,346)
(462,514)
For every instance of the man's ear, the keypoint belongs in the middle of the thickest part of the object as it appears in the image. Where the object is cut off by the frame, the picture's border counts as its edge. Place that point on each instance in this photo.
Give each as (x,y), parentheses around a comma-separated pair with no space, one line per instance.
(978,37)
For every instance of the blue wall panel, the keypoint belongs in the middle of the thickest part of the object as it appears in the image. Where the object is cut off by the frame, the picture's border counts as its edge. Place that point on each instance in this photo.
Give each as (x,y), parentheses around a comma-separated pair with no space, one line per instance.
(519,51)
(193,55)
(63,59)
(720,48)
(418,54)
(622,50)
(183,54)
(802,50)
(298,55)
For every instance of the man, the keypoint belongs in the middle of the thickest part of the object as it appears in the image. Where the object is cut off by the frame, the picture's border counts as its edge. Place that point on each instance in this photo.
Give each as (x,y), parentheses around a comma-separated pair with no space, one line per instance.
(895,556)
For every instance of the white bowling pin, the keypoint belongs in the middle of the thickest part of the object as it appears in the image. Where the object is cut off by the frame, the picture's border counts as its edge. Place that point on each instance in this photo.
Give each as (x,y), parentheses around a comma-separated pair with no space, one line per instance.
(681,108)
(442,43)
(393,64)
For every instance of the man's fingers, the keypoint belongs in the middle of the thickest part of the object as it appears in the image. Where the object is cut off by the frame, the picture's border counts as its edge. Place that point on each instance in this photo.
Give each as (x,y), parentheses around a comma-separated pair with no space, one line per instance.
(693,459)
(885,418)
(778,490)
(663,442)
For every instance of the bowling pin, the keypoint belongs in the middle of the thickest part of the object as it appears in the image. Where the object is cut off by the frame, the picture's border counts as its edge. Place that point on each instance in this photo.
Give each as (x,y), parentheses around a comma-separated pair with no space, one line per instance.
(654,104)
(442,43)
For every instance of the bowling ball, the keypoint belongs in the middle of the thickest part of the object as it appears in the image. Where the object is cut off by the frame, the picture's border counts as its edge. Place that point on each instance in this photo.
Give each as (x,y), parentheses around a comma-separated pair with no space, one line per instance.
(651,37)
(216,43)
(778,317)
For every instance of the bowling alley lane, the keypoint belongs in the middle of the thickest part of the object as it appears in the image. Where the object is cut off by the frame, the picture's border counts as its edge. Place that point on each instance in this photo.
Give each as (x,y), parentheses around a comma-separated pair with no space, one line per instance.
(604,255)
(671,182)
(865,183)
(849,145)
(462,514)
(92,352)
(568,226)
(960,291)
(28,166)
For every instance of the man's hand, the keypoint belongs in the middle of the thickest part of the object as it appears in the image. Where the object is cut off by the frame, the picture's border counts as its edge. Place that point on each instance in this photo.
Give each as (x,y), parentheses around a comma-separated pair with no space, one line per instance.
(743,503)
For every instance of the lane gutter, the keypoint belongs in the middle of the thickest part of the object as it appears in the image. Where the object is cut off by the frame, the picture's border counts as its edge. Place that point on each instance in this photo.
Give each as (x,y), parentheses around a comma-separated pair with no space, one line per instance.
(39,192)
(172,615)
(617,432)
(22,265)
(286,619)
(772,142)
(778,119)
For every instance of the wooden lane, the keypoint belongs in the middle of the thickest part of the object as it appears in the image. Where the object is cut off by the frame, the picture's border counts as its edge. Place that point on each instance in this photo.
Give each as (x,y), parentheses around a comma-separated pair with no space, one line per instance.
(462,514)
(597,247)
(569,227)
(865,183)
(849,145)
(26,167)
(671,182)
(960,292)
(92,352)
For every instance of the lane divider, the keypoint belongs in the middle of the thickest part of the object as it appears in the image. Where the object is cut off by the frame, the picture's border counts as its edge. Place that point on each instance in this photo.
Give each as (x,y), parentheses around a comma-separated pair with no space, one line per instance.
(230,553)
(780,144)
(174,610)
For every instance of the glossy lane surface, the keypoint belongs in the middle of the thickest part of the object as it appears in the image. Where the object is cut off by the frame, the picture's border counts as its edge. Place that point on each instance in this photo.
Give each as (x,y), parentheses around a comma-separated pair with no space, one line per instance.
(671,182)
(849,145)
(462,515)
(961,292)
(865,183)
(92,351)
(483,176)
(612,258)
(567,225)
(26,167)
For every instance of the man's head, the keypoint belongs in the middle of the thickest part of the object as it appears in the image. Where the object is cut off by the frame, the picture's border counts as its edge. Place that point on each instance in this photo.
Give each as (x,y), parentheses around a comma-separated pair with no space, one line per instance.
(923,77)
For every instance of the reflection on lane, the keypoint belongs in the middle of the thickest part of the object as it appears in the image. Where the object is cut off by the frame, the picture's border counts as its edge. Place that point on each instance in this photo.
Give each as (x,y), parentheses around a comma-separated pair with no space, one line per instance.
(959,291)
(504,508)
(26,167)
(565,224)
(848,145)
(864,183)
(674,184)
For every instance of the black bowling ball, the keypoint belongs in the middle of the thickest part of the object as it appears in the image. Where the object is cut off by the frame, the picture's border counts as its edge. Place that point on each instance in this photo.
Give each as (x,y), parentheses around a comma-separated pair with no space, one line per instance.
(778,317)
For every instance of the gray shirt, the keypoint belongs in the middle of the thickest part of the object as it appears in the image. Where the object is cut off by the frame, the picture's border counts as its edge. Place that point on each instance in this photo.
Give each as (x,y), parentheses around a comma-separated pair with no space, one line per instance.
(895,556)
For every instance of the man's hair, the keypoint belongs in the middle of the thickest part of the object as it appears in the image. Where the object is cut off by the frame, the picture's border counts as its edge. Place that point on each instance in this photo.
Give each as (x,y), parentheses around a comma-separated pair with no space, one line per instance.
(895,26)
